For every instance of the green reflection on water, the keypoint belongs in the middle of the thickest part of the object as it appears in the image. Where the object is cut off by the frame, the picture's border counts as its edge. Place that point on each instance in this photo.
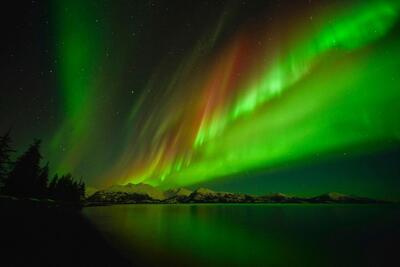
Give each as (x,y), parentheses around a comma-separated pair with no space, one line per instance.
(244,235)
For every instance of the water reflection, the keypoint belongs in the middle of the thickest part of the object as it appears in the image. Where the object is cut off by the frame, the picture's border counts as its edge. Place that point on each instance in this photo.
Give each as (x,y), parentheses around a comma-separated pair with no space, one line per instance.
(248,235)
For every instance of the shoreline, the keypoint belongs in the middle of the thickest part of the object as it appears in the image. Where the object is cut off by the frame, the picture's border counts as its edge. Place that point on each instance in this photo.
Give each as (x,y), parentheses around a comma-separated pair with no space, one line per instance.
(93,204)
(41,234)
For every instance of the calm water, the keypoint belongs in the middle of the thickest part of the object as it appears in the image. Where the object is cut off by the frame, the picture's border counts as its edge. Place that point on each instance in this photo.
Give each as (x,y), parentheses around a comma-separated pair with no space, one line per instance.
(251,235)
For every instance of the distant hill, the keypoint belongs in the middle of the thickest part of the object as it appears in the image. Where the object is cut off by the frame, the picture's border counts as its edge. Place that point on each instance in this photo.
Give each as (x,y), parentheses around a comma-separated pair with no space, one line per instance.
(334,197)
(144,193)
(141,189)
(90,191)
(177,195)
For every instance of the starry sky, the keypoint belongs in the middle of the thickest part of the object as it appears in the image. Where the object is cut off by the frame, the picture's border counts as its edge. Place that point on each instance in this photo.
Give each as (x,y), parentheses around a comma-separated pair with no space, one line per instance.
(253,96)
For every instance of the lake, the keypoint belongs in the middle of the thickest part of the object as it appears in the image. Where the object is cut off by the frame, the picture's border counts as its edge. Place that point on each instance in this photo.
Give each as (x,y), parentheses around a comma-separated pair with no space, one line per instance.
(251,234)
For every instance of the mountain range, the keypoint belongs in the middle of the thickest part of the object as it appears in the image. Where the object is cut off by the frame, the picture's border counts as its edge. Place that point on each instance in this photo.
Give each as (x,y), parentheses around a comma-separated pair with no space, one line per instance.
(144,193)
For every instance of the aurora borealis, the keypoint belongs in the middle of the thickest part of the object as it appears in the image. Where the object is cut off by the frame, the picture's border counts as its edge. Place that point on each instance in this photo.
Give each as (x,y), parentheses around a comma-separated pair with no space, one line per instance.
(180,93)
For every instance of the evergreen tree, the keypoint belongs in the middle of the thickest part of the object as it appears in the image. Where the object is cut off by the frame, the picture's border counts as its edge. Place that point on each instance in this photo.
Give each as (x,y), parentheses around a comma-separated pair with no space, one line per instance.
(23,178)
(5,152)
(42,183)
(52,187)
(82,189)
(28,179)
(66,189)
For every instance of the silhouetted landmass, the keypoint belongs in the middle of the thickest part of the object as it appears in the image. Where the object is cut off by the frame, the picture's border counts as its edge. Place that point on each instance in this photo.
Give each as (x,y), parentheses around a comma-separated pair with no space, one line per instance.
(41,224)
(131,193)
(27,178)
(5,157)
(43,233)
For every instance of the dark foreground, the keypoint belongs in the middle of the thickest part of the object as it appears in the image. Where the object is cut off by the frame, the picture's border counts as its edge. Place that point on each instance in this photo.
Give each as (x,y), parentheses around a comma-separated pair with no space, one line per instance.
(35,234)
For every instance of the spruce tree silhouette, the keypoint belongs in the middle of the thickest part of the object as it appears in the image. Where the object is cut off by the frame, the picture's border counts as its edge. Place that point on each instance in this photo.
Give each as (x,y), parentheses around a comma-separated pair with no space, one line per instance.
(81,189)
(5,161)
(28,179)
(43,180)
(52,187)
(66,189)
(23,178)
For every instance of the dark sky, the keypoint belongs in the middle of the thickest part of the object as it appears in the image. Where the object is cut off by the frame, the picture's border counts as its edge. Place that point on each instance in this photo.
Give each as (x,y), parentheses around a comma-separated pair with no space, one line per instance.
(251,96)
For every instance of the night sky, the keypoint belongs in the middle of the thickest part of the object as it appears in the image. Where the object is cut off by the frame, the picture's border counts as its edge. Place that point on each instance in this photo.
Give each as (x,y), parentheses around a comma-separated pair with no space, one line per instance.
(300,97)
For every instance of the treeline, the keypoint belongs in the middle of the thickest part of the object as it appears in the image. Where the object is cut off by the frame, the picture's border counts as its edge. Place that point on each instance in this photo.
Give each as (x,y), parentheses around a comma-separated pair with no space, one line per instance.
(27,178)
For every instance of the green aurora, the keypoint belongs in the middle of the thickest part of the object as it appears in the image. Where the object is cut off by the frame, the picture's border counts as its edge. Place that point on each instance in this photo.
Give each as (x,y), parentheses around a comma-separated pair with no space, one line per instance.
(260,98)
